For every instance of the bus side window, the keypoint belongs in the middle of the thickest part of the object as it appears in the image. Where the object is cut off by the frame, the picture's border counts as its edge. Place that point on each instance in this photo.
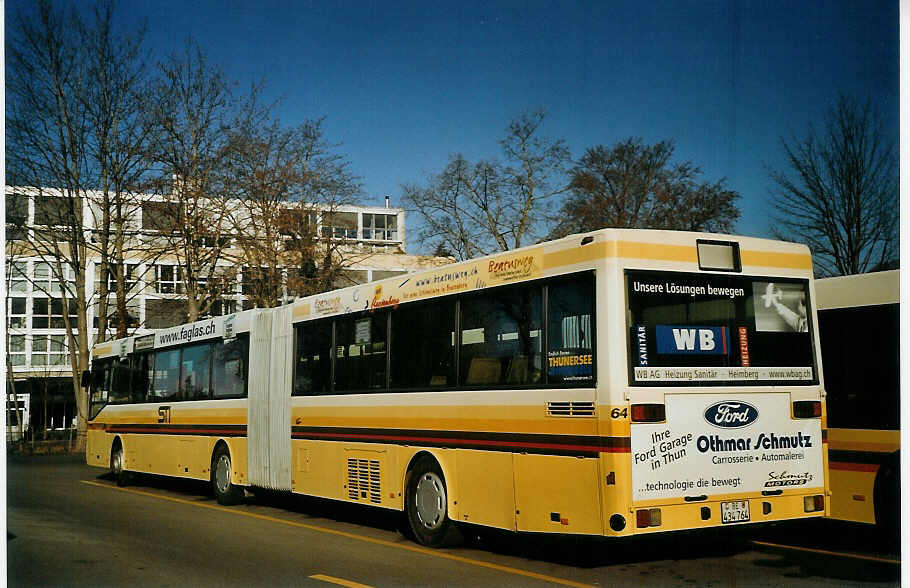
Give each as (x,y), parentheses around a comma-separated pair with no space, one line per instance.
(230,371)
(360,352)
(120,381)
(166,375)
(423,346)
(195,372)
(139,384)
(501,333)
(313,358)
(570,357)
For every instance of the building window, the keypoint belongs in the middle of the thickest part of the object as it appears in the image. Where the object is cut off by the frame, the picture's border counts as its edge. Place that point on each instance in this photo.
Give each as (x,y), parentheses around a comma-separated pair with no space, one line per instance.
(16,275)
(223,307)
(380,227)
(169,279)
(52,211)
(16,217)
(340,225)
(16,311)
(17,349)
(160,314)
(261,281)
(47,313)
(49,350)
(297,223)
(165,217)
(132,314)
(47,280)
(130,276)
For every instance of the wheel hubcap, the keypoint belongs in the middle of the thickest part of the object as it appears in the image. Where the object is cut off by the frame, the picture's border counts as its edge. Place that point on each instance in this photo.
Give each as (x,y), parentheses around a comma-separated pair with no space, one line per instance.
(117,462)
(223,473)
(430,500)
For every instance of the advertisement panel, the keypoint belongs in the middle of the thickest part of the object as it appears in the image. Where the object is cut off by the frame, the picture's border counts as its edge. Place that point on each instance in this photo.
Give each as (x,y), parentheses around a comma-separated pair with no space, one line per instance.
(465,277)
(725,444)
(205,329)
(718,329)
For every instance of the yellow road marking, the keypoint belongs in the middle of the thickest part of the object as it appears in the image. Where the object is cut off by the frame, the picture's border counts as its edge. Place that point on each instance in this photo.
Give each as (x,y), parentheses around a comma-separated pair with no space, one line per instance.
(404,546)
(339,581)
(826,552)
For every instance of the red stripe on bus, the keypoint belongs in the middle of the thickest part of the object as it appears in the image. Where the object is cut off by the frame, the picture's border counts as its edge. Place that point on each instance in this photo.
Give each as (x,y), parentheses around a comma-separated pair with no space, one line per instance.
(619,448)
(853,467)
(175,431)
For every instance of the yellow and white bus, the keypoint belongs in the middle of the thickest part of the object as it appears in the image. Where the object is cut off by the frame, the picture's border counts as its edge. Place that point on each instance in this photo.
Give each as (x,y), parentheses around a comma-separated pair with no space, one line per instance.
(859,326)
(612,383)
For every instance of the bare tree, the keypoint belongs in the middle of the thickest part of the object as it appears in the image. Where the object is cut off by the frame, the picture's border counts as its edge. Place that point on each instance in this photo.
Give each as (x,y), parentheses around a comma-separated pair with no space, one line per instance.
(284,181)
(839,194)
(476,209)
(634,185)
(115,104)
(194,106)
(47,126)
(71,97)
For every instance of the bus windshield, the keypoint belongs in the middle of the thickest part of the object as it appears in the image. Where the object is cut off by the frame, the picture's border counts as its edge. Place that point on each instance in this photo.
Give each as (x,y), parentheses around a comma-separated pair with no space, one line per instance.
(718,329)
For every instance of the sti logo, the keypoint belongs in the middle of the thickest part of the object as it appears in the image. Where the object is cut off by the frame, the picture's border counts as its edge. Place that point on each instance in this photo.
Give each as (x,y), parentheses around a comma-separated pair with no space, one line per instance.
(692,340)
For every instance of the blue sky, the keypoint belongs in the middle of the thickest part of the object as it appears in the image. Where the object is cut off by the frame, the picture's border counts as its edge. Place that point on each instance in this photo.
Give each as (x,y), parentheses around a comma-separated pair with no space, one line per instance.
(403,85)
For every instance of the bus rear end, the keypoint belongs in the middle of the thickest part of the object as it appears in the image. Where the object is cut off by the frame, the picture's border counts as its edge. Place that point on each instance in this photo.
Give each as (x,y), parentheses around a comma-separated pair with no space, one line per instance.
(724,389)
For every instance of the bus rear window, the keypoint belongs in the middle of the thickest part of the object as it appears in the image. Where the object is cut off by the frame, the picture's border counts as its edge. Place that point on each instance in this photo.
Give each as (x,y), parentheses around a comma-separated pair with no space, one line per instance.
(717,329)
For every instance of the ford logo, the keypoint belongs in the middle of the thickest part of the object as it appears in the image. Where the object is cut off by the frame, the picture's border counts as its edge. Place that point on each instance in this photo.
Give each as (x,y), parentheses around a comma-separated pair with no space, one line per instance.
(731,414)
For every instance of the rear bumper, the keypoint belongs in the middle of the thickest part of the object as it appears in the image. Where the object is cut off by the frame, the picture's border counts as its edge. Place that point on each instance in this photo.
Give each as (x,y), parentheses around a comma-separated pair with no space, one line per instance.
(707,514)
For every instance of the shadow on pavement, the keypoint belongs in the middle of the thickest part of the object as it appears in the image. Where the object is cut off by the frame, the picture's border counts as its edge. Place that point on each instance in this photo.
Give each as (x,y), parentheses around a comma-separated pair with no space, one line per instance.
(591,552)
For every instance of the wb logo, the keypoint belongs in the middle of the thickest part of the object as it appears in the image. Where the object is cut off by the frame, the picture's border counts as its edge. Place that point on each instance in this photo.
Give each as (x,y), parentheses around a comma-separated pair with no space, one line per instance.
(673,339)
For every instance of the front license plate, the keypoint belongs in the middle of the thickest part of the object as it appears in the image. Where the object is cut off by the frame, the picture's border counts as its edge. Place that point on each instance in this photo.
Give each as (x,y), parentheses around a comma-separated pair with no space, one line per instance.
(736,511)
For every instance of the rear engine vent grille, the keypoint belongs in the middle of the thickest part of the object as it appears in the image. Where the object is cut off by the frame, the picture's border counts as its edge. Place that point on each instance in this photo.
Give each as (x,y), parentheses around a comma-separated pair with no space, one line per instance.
(570,409)
(363,480)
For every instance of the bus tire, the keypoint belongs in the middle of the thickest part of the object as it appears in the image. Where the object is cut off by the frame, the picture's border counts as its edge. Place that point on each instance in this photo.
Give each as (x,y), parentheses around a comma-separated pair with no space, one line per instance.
(121,476)
(886,497)
(226,493)
(426,505)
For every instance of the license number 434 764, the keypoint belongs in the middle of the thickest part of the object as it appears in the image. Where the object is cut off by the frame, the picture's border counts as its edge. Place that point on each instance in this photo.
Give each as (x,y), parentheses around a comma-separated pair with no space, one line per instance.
(736,511)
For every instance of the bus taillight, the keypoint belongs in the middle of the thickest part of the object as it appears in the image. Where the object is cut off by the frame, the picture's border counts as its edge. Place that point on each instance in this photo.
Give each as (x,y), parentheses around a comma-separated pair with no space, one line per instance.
(648,413)
(807,409)
(647,517)
(814,503)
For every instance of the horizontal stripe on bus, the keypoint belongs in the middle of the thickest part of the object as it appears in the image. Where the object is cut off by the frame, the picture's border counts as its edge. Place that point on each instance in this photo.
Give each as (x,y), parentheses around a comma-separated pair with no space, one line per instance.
(857,457)
(572,445)
(171,429)
(853,467)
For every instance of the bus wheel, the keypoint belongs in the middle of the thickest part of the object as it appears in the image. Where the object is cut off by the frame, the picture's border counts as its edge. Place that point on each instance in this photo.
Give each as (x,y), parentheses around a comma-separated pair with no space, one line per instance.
(121,476)
(226,493)
(426,504)
(887,499)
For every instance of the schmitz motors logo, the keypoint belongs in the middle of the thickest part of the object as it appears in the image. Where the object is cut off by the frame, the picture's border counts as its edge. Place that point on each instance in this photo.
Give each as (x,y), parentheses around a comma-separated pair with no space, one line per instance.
(778,479)
(731,414)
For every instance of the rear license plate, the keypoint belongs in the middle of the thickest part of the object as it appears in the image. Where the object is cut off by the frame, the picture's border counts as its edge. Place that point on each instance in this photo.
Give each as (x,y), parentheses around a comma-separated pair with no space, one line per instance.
(736,511)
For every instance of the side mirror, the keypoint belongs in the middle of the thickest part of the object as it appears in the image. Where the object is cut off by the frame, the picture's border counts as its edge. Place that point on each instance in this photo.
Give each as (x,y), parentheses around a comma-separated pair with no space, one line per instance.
(86,379)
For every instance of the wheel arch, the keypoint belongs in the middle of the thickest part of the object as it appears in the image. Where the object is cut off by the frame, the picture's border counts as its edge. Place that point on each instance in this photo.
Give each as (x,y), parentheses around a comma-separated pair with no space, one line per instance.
(117,441)
(447,467)
(890,466)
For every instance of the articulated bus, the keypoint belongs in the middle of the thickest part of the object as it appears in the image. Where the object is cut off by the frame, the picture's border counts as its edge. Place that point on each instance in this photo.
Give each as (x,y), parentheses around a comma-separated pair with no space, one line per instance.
(614,383)
(859,327)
